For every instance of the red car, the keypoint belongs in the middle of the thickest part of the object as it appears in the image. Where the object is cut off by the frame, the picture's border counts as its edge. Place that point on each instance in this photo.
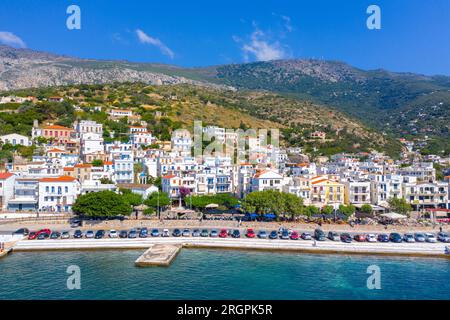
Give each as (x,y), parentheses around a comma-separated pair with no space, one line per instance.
(360,238)
(32,236)
(47,231)
(250,233)
(294,235)
(223,233)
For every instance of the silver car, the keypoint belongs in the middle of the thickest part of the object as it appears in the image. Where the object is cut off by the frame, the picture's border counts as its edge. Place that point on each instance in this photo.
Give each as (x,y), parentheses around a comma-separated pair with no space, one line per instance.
(431,238)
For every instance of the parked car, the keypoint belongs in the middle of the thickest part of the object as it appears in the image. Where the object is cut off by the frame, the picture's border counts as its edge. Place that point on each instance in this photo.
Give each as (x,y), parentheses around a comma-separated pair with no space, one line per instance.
(382,237)
(214,233)
(165,233)
(47,231)
(359,237)
(294,235)
(345,237)
(89,234)
(236,233)
(204,233)
(186,233)
(65,235)
(371,237)
(419,237)
(55,235)
(306,236)
(155,233)
(431,238)
(408,237)
(250,233)
(143,233)
(319,235)
(43,236)
(78,234)
(262,234)
(123,234)
(113,234)
(99,234)
(132,234)
(285,235)
(443,237)
(22,232)
(223,233)
(196,233)
(395,237)
(333,236)
(273,235)
(75,223)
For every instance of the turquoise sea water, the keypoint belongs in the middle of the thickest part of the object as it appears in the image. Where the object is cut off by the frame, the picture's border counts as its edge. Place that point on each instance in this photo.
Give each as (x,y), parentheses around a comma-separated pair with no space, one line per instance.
(221,274)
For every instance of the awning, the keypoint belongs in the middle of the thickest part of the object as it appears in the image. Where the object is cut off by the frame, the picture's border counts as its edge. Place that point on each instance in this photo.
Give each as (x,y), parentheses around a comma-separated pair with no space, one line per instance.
(393,216)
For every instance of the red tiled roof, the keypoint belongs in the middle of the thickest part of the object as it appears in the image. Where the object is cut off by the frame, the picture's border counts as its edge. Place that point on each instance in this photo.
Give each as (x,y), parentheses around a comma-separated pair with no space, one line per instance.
(58,179)
(5,175)
(57,127)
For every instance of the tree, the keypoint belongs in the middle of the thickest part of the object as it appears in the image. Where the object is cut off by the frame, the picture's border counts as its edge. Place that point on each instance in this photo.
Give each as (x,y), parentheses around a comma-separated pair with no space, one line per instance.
(399,205)
(133,199)
(101,204)
(156,199)
(293,205)
(272,201)
(311,210)
(347,210)
(327,210)
(97,163)
(106,181)
(366,208)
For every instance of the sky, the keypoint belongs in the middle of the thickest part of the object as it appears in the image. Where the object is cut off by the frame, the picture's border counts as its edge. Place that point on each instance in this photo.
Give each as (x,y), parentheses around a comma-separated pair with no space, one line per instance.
(414,34)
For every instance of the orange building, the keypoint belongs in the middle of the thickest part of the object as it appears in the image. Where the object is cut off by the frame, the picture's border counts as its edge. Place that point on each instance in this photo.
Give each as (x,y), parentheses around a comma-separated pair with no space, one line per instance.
(56,132)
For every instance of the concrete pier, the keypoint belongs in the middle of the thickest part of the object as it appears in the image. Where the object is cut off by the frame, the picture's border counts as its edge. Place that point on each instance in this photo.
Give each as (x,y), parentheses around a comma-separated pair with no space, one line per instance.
(158,255)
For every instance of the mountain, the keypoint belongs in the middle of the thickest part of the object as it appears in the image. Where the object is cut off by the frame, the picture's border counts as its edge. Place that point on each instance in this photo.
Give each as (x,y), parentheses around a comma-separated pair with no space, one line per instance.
(25,68)
(403,104)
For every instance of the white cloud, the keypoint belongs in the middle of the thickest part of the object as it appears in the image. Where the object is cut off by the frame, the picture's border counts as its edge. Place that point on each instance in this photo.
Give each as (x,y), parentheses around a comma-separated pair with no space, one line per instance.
(261,48)
(11,39)
(146,39)
(287,23)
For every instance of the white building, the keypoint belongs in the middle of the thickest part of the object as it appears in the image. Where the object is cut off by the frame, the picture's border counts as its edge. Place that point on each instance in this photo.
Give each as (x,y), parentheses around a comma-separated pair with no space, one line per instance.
(384,187)
(86,126)
(16,139)
(358,192)
(6,189)
(267,180)
(58,194)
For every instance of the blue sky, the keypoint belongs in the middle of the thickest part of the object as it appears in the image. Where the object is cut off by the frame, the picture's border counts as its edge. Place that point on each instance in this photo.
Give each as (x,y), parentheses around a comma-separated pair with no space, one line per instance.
(415,34)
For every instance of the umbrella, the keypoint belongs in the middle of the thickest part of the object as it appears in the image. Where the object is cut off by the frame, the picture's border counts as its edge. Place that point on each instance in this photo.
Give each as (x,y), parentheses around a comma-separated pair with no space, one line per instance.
(211,206)
(393,216)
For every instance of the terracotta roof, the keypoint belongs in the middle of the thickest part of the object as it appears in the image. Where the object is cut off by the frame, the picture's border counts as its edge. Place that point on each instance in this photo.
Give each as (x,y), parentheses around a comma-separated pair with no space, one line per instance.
(58,179)
(69,169)
(55,150)
(5,175)
(319,181)
(107,163)
(169,176)
(83,165)
(57,127)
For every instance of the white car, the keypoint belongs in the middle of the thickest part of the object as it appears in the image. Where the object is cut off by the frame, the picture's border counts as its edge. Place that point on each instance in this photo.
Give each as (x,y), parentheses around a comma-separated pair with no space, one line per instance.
(113,234)
(89,234)
(371,237)
(165,233)
(430,237)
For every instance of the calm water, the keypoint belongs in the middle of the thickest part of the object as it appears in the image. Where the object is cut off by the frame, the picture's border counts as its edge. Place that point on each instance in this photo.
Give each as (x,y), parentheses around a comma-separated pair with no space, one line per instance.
(216,274)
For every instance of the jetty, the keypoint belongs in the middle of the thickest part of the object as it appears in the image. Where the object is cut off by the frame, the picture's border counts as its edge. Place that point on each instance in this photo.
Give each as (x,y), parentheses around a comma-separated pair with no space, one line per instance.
(158,255)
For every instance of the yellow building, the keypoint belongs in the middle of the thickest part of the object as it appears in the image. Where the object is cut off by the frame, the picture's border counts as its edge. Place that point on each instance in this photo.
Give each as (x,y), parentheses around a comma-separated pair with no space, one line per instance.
(326,191)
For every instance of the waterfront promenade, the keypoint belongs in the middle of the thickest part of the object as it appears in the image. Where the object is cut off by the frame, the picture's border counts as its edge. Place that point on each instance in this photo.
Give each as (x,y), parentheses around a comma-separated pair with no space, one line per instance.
(405,249)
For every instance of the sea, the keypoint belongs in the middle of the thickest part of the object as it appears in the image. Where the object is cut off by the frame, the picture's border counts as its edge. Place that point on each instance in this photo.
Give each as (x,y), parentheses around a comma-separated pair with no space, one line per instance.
(221,274)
